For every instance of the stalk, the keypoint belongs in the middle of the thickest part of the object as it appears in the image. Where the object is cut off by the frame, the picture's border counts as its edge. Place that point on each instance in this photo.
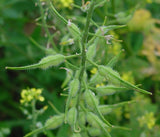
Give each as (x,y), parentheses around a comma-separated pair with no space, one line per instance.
(34,115)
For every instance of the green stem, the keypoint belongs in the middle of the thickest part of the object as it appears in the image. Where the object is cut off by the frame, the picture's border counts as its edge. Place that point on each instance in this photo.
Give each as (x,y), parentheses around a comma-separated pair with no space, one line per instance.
(55,12)
(113,6)
(84,39)
(45,26)
(34,115)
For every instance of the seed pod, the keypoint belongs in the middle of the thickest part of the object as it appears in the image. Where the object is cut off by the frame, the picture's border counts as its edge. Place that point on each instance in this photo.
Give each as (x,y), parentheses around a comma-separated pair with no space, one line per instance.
(114,78)
(109,90)
(82,119)
(94,121)
(44,63)
(90,99)
(94,131)
(52,60)
(96,78)
(106,109)
(114,60)
(68,78)
(91,51)
(72,118)
(74,30)
(54,122)
(74,87)
(92,104)
(109,74)
(76,135)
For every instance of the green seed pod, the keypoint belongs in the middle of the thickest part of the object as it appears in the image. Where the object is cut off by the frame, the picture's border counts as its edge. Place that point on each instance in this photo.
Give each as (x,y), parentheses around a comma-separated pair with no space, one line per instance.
(92,103)
(94,131)
(76,135)
(44,63)
(109,90)
(114,60)
(52,60)
(114,78)
(72,118)
(104,109)
(54,122)
(109,74)
(74,30)
(94,121)
(90,99)
(96,78)
(74,87)
(82,119)
(68,78)
(91,52)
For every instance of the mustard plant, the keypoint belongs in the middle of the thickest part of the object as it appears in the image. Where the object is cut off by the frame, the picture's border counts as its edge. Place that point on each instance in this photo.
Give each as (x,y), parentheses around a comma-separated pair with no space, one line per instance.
(83,111)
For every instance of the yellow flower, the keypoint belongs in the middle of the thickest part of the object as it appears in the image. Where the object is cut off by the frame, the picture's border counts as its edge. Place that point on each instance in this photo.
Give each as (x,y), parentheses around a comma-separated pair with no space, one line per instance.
(27,95)
(148,119)
(64,3)
(127,76)
(41,98)
(98,85)
(141,21)
(94,71)
(149,1)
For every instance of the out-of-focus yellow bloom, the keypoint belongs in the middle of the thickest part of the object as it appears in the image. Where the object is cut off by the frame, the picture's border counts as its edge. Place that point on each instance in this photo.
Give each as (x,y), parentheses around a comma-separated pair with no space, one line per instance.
(148,119)
(98,85)
(149,1)
(127,76)
(141,21)
(94,71)
(64,3)
(27,95)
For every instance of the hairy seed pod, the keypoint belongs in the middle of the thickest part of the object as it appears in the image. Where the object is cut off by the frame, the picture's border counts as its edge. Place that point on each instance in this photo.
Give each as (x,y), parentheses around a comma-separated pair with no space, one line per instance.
(72,118)
(82,119)
(90,99)
(109,90)
(68,78)
(114,60)
(44,63)
(94,131)
(74,87)
(74,30)
(94,121)
(54,122)
(91,52)
(104,109)
(114,78)
(51,60)
(96,78)
(92,103)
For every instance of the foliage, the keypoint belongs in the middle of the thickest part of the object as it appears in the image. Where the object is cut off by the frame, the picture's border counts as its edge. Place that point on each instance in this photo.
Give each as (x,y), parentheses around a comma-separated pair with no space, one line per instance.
(95,95)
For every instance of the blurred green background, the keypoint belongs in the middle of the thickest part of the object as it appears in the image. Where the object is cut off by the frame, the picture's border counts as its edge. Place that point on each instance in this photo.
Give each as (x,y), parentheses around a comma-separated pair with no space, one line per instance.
(140,63)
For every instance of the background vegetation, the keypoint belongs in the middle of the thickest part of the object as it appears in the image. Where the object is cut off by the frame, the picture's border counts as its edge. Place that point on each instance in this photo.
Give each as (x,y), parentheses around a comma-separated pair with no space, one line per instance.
(21,22)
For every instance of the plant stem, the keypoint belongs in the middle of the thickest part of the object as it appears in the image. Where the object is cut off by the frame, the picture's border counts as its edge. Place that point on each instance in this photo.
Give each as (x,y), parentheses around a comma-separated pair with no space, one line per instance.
(34,115)
(84,39)
(113,6)
(45,26)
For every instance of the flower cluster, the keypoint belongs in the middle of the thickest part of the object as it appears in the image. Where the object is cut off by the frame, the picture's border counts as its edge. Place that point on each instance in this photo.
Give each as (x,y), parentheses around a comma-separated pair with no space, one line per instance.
(27,95)
(64,3)
(148,119)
